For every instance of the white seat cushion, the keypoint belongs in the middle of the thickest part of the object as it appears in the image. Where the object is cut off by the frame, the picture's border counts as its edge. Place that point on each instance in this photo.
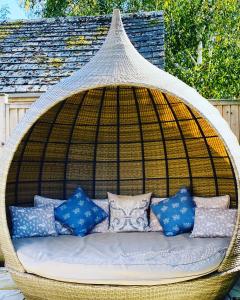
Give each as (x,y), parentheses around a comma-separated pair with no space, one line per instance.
(136,258)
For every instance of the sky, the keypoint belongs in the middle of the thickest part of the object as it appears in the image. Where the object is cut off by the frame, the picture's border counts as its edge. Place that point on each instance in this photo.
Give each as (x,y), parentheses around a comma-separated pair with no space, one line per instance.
(16,12)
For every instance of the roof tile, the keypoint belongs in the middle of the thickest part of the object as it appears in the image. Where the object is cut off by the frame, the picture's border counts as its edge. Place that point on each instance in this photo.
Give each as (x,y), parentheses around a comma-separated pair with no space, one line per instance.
(37,53)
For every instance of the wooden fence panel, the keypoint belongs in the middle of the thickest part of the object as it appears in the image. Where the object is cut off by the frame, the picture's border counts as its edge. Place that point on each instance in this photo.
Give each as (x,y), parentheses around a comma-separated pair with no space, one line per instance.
(14,114)
(3,101)
(226,113)
(234,119)
(10,115)
(220,108)
(230,110)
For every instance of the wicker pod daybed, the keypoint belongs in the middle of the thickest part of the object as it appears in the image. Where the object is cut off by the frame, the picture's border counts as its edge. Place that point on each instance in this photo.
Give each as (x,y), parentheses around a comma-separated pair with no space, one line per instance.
(122,125)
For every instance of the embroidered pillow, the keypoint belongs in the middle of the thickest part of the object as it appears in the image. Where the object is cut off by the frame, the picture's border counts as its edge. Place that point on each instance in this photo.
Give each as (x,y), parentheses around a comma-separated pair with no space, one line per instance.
(32,221)
(213,202)
(40,201)
(214,222)
(128,213)
(80,213)
(176,214)
(154,224)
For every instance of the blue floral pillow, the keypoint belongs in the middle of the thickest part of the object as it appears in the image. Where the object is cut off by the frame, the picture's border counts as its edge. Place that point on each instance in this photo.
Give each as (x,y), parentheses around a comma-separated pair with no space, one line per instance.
(80,213)
(176,214)
(32,221)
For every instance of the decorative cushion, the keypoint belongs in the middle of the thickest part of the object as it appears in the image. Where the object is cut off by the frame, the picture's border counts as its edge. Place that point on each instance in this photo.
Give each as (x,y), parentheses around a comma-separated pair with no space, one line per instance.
(214,222)
(176,214)
(212,202)
(40,201)
(80,213)
(128,213)
(154,224)
(104,225)
(32,221)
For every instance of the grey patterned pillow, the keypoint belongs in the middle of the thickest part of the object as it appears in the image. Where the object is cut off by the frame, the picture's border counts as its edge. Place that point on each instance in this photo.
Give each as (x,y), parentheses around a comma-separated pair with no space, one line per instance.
(154,224)
(104,225)
(213,202)
(128,213)
(40,201)
(214,222)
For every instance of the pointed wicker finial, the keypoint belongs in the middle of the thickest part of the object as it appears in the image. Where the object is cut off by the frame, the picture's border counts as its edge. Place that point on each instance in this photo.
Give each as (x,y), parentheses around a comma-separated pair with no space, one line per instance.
(116,20)
(116,36)
(116,25)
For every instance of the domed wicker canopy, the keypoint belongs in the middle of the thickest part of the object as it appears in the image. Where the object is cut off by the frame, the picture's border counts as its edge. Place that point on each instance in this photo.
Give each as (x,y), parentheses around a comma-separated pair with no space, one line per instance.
(123,139)
(121,125)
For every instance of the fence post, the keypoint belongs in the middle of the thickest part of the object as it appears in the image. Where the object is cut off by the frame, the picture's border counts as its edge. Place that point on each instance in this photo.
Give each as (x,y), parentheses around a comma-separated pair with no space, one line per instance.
(3,102)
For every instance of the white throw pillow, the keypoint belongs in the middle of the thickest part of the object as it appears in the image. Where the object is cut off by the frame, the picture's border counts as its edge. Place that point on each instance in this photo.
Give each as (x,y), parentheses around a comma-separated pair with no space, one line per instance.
(154,224)
(40,201)
(213,202)
(129,213)
(214,222)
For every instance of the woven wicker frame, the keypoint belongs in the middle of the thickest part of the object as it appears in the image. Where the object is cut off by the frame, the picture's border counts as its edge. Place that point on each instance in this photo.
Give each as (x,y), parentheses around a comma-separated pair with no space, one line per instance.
(207,288)
(120,125)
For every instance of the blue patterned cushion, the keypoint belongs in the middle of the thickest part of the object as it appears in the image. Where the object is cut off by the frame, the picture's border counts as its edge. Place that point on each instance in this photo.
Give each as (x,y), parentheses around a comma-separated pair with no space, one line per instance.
(176,214)
(80,213)
(32,221)
(40,201)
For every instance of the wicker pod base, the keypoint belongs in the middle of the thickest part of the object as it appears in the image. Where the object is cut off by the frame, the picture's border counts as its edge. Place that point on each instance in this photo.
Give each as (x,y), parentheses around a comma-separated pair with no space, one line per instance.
(208,288)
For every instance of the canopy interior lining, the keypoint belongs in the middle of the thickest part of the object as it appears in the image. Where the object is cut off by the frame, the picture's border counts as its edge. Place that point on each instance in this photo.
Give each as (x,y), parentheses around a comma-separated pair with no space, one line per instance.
(121,139)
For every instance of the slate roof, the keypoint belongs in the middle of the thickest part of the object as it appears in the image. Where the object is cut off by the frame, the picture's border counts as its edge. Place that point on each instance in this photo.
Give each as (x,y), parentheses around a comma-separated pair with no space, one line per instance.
(37,53)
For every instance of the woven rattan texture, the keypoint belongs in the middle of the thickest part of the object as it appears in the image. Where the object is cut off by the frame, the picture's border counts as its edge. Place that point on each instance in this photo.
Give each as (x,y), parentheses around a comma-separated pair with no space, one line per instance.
(125,140)
(207,288)
(134,137)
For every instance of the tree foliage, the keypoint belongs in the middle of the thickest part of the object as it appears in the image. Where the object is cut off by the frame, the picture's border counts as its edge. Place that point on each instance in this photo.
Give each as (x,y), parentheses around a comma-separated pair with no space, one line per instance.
(202,42)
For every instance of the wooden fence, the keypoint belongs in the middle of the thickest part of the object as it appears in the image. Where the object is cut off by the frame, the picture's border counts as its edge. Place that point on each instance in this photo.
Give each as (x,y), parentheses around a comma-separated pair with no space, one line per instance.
(13,108)
(230,110)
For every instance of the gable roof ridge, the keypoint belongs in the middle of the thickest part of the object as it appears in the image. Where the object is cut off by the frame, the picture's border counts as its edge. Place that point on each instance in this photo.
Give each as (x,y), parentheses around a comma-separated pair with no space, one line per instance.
(84,18)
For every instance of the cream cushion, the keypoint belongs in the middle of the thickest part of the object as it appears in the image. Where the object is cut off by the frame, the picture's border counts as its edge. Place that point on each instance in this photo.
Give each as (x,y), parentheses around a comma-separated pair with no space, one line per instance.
(128,213)
(213,202)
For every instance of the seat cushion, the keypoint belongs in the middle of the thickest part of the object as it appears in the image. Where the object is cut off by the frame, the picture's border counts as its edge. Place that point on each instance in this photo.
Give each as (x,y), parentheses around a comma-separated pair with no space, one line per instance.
(136,258)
